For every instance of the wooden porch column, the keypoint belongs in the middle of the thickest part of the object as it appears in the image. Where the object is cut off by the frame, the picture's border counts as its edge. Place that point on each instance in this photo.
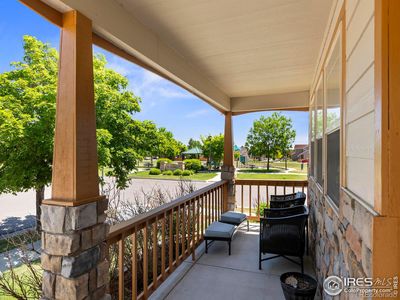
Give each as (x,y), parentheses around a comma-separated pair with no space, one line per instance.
(386,226)
(228,168)
(74,232)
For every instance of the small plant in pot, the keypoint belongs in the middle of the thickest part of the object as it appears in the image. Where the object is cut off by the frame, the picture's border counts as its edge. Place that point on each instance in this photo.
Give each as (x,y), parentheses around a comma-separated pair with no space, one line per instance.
(298,286)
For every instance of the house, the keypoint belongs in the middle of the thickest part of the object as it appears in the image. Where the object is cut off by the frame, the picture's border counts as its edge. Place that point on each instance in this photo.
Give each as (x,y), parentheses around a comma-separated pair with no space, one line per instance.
(300,152)
(337,59)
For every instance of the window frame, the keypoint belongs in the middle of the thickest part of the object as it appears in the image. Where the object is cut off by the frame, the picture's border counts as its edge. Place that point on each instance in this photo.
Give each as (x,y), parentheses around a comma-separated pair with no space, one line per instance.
(338,37)
(320,84)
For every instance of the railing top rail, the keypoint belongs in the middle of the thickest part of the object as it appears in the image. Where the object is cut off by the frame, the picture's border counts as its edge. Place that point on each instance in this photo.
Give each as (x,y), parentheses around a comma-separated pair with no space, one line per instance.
(271,182)
(120,228)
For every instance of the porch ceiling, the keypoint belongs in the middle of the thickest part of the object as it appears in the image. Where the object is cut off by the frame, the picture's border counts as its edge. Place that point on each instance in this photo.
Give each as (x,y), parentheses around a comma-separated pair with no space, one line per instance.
(219,49)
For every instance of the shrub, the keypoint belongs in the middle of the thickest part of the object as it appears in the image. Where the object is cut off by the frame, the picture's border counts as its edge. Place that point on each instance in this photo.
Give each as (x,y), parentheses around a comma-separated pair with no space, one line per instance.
(261,208)
(193,164)
(154,171)
(178,172)
(187,173)
(167,160)
(167,172)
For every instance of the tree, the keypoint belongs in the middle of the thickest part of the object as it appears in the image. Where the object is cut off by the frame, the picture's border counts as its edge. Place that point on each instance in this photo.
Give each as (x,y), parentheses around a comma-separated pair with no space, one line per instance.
(168,146)
(27,119)
(269,136)
(194,144)
(213,148)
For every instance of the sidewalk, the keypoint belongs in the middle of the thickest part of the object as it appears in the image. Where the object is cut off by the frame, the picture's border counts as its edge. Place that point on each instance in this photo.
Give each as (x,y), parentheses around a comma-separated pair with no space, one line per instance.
(16,256)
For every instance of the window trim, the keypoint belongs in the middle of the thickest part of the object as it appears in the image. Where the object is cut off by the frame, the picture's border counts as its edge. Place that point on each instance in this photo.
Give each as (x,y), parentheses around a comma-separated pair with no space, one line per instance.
(320,83)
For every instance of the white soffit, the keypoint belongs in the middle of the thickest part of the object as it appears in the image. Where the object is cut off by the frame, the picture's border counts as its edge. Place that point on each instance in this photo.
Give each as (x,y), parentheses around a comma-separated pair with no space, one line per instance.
(245,48)
(220,48)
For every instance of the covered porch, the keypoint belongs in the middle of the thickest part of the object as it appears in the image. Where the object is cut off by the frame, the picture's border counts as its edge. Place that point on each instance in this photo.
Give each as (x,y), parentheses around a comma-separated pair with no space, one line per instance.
(239,58)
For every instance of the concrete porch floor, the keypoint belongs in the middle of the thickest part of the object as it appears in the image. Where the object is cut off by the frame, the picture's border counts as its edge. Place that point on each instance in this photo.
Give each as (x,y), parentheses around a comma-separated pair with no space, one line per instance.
(217,275)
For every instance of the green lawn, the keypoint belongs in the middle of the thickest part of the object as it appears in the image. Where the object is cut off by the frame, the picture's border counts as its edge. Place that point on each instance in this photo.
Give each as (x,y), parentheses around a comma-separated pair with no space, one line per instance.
(21,271)
(273,176)
(197,176)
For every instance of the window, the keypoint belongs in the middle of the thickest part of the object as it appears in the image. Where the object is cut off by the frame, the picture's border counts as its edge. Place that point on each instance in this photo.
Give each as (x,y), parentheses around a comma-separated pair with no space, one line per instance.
(333,73)
(319,125)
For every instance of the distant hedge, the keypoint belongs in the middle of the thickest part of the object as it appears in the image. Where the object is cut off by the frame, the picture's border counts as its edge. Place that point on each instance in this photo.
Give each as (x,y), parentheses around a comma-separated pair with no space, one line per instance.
(187,173)
(178,172)
(154,171)
(168,172)
(193,164)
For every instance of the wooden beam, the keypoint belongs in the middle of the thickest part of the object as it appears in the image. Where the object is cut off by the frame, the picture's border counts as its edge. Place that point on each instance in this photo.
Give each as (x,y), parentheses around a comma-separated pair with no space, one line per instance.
(46,11)
(228,140)
(295,101)
(75,170)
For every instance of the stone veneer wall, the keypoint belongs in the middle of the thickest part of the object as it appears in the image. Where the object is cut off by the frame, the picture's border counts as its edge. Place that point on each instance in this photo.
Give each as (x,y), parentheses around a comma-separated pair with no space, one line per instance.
(74,251)
(340,242)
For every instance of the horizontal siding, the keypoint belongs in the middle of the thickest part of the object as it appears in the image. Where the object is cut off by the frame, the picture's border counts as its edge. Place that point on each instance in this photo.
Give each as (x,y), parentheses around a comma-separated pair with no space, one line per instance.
(360,178)
(356,27)
(360,137)
(362,56)
(360,99)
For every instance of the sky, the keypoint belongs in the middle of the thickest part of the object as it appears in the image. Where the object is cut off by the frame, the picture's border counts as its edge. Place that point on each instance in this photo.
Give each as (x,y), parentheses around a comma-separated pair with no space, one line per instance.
(163,102)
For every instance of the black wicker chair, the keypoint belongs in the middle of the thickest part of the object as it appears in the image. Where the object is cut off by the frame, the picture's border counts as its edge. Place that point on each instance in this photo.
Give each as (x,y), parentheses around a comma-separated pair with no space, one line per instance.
(288,200)
(282,232)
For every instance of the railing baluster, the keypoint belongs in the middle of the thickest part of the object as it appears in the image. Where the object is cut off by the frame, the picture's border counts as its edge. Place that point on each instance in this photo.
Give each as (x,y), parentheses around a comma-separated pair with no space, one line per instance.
(183,230)
(198,220)
(267,187)
(177,235)
(209,209)
(250,199)
(170,241)
(155,258)
(284,188)
(189,225)
(275,188)
(145,261)
(121,277)
(241,202)
(212,206)
(193,226)
(134,264)
(202,215)
(163,245)
(258,200)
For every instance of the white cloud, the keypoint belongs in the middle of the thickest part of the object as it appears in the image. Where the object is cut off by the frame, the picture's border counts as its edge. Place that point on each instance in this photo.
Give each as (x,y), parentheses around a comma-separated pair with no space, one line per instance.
(198,113)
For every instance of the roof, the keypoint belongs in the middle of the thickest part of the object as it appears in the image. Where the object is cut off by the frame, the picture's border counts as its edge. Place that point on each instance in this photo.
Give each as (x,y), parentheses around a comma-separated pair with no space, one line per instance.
(300,146)
(194,150)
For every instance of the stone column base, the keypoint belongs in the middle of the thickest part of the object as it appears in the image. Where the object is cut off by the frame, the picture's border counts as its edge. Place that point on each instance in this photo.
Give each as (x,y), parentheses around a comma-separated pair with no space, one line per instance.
(74,251)
(228,173)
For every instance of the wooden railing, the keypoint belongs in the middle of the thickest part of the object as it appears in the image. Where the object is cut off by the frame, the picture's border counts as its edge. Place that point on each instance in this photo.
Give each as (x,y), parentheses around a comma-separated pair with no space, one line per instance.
(144,250)
(251,194)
